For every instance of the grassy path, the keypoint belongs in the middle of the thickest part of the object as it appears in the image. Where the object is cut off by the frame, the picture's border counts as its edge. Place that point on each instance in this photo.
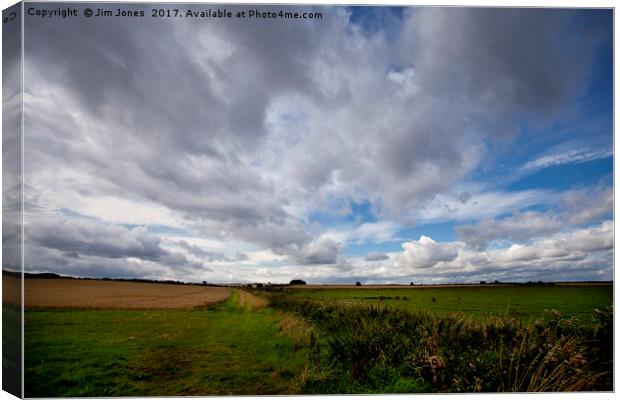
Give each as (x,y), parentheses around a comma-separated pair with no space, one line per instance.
(235,347)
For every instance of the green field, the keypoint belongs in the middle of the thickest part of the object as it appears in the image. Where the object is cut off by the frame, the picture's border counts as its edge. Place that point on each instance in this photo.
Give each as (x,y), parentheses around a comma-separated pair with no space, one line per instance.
(11,349)
(479,338)
(331,341)
(527,302)
(219,350)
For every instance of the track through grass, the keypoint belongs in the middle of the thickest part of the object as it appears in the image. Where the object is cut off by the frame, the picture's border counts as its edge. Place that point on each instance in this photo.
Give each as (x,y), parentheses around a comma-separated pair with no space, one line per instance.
(224,349)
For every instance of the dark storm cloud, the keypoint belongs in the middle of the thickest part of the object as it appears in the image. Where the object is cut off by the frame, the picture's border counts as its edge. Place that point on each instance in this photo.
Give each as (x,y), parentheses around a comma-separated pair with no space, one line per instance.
(512,60)
(160,76)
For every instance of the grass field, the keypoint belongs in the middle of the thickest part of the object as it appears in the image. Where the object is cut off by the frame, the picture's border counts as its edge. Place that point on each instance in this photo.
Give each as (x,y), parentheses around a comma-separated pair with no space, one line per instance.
(527,302)
(315,340)
(11,349)
(230,348)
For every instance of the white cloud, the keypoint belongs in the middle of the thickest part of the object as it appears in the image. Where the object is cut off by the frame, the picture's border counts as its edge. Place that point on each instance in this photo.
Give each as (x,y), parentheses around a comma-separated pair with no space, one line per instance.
(585,205)
(368,232)
(480,205)
(589,248)
(519,227)
(570,157)
(577,207)
(426,253)
(236,146)
(578,254)
(98,249)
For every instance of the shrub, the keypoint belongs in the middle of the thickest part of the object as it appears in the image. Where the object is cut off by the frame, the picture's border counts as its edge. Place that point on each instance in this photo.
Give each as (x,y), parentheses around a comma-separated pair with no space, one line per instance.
(379,349)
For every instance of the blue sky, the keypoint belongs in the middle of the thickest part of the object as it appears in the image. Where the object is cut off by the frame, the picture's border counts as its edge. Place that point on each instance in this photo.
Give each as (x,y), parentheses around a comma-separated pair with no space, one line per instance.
(377,144)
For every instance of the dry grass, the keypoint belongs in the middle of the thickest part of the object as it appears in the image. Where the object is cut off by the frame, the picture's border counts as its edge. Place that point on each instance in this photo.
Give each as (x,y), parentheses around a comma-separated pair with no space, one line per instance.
(303,336)
(69,293)
(299,330)
(250,301)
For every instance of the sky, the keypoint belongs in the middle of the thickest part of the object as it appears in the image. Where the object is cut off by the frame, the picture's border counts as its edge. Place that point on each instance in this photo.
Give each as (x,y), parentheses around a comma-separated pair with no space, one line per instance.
(375,144)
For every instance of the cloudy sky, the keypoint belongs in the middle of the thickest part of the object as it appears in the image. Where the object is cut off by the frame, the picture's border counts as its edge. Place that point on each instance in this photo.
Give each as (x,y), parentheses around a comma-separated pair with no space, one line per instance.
(376,144)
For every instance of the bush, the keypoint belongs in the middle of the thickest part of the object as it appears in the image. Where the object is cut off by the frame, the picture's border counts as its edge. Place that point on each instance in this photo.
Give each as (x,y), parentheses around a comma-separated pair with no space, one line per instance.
(358,283)
(297,282)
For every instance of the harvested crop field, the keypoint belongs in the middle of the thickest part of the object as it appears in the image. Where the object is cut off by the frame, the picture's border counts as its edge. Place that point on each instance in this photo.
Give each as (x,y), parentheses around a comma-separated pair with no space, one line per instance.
(11,290)
(78,293)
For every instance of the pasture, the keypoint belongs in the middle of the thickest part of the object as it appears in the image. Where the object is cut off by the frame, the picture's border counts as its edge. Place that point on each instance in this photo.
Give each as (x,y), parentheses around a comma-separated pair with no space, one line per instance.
(527,302)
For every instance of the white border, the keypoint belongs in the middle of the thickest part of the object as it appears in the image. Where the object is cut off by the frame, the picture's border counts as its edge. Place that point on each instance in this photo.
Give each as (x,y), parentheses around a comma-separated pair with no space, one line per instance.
(471,3)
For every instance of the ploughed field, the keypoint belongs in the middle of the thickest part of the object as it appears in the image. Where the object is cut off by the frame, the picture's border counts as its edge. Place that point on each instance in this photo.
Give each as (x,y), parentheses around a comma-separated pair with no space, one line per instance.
(86,293)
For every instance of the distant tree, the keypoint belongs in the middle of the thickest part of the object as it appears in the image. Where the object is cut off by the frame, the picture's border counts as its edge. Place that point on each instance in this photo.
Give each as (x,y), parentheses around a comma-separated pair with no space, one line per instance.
(358,283)
(297,282)
(483,282)
(496,282)
(410,283)
(204,283)
(259,285)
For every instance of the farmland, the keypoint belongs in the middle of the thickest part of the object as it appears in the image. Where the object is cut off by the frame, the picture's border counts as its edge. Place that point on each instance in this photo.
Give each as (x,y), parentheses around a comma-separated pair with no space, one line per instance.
(523,338)
(229,348)
(527,302)
(141,339)
(74,293)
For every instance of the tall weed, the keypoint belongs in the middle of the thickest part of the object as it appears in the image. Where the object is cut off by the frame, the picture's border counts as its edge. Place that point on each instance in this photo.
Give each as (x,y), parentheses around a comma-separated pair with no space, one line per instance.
(375,349)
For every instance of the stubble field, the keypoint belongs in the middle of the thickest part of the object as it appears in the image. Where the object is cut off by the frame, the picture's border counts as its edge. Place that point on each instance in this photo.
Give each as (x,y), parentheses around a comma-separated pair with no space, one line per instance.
(82,293)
